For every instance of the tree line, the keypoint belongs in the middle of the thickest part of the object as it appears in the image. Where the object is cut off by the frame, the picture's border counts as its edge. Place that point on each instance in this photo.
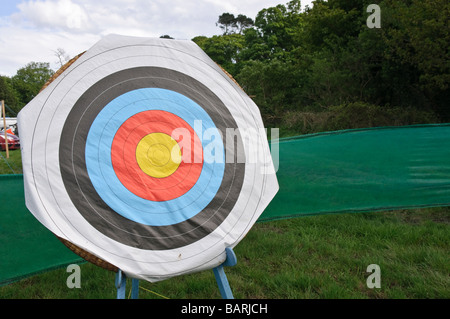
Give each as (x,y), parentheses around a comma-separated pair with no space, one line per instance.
(21,88)
(322,68)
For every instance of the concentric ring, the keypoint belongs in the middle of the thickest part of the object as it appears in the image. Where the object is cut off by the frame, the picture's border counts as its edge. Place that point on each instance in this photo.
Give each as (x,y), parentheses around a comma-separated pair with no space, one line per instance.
(197,221)
(116,194)
(158,155)
(125,142)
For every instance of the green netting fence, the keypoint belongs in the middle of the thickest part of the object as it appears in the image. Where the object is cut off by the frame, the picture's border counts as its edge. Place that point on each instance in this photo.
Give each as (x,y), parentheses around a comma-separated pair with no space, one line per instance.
(363,170)
(334,172)
(27,247)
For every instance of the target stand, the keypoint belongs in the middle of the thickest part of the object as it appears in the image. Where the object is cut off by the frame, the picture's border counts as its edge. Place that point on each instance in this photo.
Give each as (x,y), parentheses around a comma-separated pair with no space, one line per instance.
(157,161)
(219,273)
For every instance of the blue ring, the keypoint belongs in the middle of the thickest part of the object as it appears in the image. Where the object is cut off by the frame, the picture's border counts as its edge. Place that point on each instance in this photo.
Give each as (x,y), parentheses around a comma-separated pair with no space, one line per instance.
(106,182)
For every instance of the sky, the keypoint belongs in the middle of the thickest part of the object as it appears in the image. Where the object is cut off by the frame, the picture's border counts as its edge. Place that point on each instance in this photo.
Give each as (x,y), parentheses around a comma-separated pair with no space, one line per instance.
(33,30)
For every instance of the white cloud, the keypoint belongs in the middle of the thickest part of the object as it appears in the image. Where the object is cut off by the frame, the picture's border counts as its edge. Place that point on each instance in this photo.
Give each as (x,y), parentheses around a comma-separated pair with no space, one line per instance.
(54,14)
(26,45)
(42,26)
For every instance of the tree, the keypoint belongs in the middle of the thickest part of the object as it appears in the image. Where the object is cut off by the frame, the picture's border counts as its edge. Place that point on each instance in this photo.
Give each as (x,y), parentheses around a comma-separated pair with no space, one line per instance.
(226,22)
(279,26)
(328,25)
(243,22)
(9,95)
(326,58)
(29,80)
(417,37)
(223,49)
(62,56)
(231,24)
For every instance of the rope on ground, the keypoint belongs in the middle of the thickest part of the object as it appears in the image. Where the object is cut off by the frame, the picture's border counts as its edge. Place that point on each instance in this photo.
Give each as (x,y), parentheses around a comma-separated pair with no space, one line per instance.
(155,293)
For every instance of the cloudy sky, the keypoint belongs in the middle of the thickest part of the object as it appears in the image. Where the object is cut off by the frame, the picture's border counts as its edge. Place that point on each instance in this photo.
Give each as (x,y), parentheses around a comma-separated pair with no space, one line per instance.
(32,30)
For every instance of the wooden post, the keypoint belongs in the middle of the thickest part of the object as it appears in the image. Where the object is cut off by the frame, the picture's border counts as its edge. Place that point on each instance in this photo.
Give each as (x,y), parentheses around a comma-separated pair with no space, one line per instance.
(4,129)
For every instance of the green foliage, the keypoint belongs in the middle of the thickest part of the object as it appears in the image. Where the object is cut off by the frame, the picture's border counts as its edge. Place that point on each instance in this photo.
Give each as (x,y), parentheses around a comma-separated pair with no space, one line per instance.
(363,115)
(417,38)
(243,22)
(301,62)
(9,95)
(224,49)
(330,25)
(351,116)
(29,80)
(231,24)
(272,84)
(226,22)
(279,26)
(418,34)
(20,89)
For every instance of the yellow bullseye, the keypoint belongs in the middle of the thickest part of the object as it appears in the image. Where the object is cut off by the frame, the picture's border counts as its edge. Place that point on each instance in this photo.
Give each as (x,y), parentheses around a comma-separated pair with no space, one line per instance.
(158,155)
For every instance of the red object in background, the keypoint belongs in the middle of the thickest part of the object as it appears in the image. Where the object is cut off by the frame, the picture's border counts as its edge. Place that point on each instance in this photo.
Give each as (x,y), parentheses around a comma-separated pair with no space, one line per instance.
(13,141)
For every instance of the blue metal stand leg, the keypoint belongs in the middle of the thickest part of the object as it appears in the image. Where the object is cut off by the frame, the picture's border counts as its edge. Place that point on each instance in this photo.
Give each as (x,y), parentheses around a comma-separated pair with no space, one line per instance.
(135,289)
(222,282)
(221,277)
(219,273)
(121,282)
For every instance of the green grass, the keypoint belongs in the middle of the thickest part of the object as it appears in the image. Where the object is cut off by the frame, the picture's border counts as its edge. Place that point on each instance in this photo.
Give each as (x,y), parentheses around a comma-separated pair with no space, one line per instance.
(322,257)
(11,165)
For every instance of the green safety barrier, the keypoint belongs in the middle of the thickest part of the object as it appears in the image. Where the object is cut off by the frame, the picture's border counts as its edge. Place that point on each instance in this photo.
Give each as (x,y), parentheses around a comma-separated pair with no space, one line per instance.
(27,247)
(363,170)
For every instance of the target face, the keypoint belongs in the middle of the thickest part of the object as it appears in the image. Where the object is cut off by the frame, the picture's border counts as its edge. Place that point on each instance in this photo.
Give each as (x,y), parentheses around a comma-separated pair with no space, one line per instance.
(127,155)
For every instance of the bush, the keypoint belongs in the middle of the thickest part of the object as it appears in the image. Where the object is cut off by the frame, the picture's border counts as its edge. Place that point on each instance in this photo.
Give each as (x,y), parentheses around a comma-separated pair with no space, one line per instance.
(352,116)
(362,115)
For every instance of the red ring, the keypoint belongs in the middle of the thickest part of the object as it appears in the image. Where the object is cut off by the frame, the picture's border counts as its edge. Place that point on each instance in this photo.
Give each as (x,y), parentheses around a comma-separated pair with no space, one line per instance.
(126,167)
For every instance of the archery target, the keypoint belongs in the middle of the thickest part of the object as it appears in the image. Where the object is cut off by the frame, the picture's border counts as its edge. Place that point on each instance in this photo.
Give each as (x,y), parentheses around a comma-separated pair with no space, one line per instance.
(128,157)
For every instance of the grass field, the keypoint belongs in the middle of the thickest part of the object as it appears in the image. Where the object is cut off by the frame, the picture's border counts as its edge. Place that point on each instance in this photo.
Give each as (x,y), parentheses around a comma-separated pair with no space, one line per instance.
(311,257)
(11,165)
(323,257)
